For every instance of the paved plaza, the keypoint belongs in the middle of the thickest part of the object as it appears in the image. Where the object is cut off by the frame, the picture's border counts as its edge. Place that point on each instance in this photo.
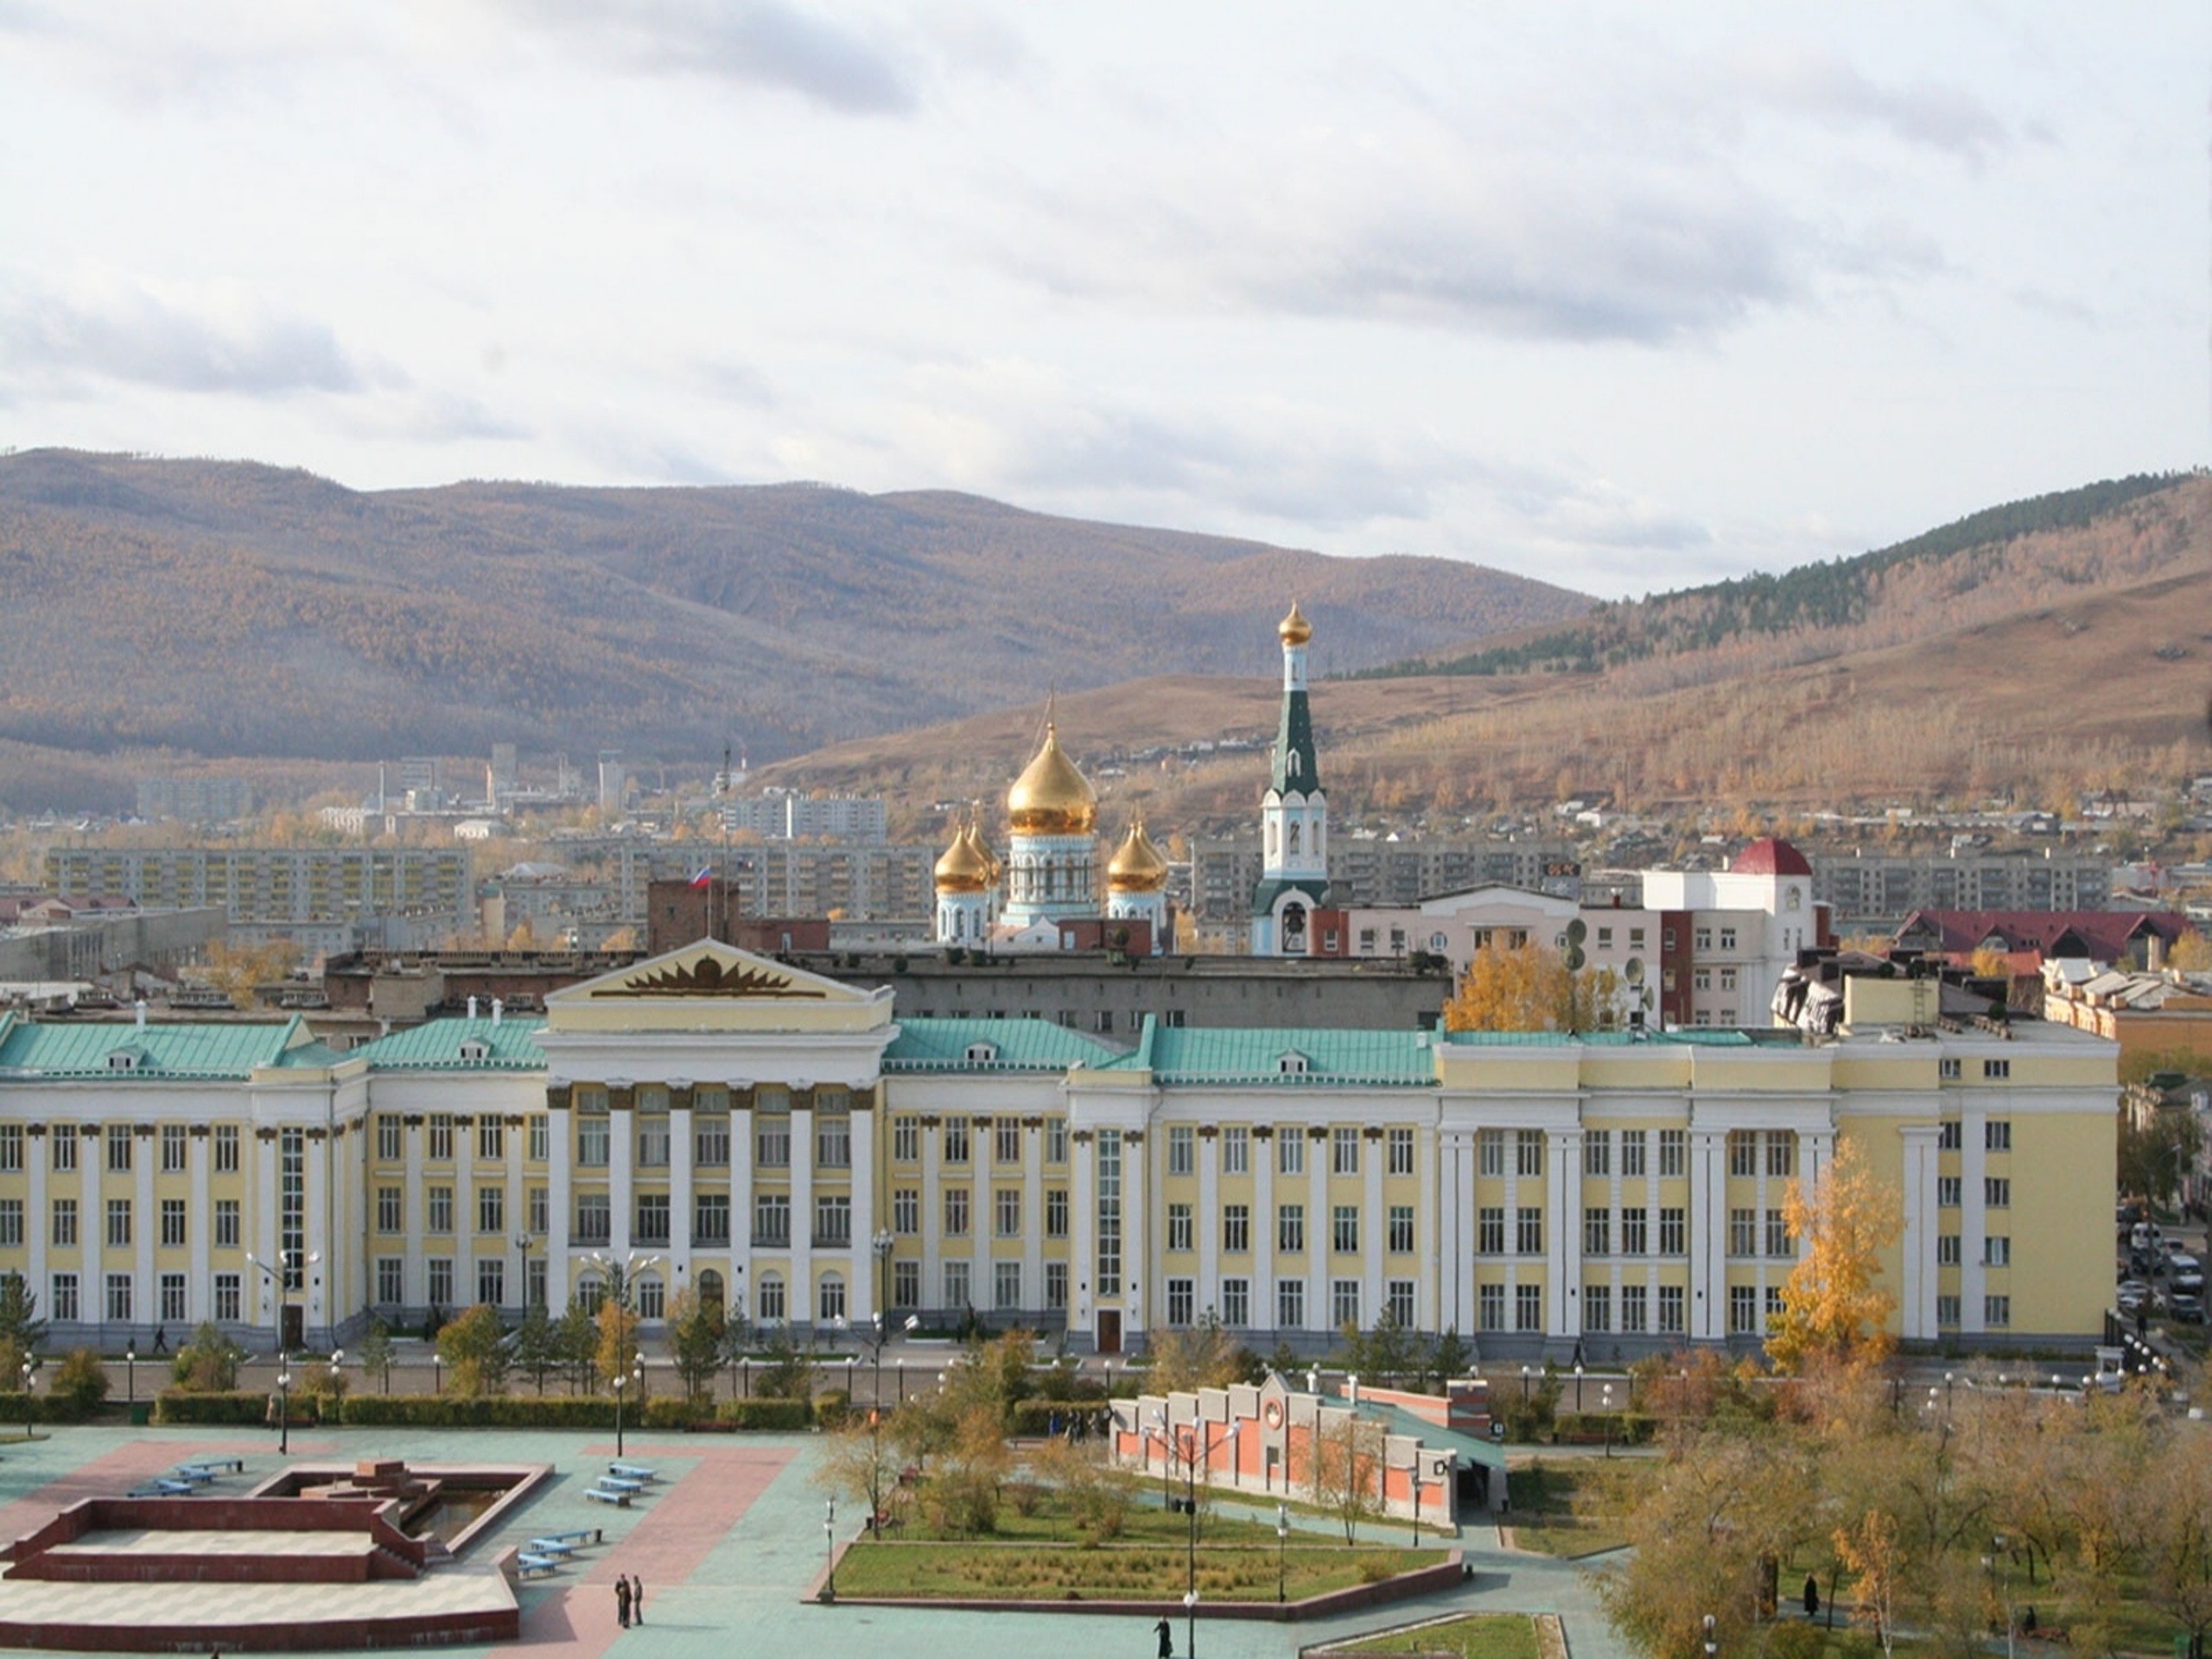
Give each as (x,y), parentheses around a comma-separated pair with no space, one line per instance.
(727,1544)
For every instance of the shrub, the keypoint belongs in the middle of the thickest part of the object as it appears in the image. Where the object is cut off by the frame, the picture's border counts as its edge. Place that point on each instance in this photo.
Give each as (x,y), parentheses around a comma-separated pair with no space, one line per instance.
(450,1411)
(200,1406)
(673,1411)
(1373,1569)
(80,1383)
(208,1360)
(768,1415)
(833,1409)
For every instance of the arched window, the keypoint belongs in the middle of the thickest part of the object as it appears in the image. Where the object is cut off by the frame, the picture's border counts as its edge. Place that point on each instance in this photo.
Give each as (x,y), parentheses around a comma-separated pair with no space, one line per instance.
(832,1299)
(710,1288)
(1271,837)
(769,1294)
(1293,835)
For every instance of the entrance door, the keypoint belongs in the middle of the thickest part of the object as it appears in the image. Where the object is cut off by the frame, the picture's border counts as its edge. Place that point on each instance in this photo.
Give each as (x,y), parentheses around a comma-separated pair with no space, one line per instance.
(295,1326)
(1109,1331)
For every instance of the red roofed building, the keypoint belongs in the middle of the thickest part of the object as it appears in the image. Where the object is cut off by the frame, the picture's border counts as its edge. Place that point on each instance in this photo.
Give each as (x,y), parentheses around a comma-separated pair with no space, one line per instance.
(2138,937)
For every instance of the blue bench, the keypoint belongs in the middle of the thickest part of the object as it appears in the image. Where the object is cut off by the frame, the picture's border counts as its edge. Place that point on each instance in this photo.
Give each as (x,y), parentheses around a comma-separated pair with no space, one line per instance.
(616,1484)
(579,1536)
(527,1562)
(621,1500)
(164,1486)
(212,1465)
(194,1473)
(552,1547)
(631,1471)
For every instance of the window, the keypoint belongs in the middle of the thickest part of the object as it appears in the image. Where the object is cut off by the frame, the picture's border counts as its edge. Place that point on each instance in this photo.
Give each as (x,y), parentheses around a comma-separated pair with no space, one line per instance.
(710,1142)
(1528,1146)
(1181,1140)
(65,1224)
(1343,1151)
(1490,1230)
(770,1296)
(1947,1068)
(1235,1228)
(905,1139)
(491,1139)
(1006,1141)
(1006,1286)
(1178,1301)
(440,1135)
(1997,1134)
(1491,1143)
(1996,1251)
(1056,1288)
(491,1209)
(594,1220)
(1701,979)
(1597,1232)
(173,1224)
(1947,1249)
(441,1278)
(955,1139)
(1056,1212)
(907,1284)
(1671,1310)
(1671,1144)
(1996,1070)
(1400,1143)
(227,1223)
(1634,1313)
(652,1141)
(1343,1229)
(1672,1233)
(1996,1193)
(1401,1230)
(653,1219)
(906,1211)
(1949,1137)
(956,1284)
(173,1145)
(172,1297)
(1701,938)
(1237,1303)
(1778,1234)
(772,1142)
(591,1141)
(1781,1152)
(711,1218)
(1006,1211)
(1344,1303)
(1528,1307)
(1528,1231)
(11,1147)
(1597,1307)
(491,1281)
(440,1202)
(1743,1310)
(63,1299)
(1727,981)
(1946,1312)
(1491,1306)
(119,1223)
(772,1219)
(1727,938)
(1947,1192)
(1743,1232)
(1635,1240)
(1102,1021)
(64,1150)
(1290,1303)
(541,1137)
(833,1220)
(1598,1152)
(956,1212)
(541,1210)
(119,1149)
(1743,1153)
(1290,1153)
(388,1141)
(833,1142)
(11,1222)
(1632,1154)
(1997,1312)
(1290,1227)
(119,1299)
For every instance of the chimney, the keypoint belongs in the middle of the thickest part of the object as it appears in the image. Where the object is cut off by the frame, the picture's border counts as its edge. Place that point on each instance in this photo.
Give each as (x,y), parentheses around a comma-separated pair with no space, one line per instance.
(2158,944)
(140,1005)
(471,1008)
(497,1009)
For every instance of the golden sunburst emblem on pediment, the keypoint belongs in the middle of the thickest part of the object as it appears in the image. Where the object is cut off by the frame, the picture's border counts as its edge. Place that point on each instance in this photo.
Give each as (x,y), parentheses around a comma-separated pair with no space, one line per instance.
(709,977)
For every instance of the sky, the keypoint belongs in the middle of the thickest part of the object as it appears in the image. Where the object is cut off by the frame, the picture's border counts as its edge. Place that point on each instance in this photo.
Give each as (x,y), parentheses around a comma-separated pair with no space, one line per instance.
(1624,297)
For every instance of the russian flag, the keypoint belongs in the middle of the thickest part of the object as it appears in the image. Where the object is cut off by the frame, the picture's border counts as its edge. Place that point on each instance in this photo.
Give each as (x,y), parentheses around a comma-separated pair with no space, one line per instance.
(704,877)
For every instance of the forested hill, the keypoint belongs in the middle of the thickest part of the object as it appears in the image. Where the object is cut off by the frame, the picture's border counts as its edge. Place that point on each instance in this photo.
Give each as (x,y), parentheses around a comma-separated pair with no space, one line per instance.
(1928,576)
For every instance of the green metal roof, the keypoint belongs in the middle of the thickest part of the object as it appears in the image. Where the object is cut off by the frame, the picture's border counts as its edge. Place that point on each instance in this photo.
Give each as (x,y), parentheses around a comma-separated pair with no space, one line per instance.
(508,1045)
(115,1050)
(1290,1057)
(1016,1046)
(1695,1037)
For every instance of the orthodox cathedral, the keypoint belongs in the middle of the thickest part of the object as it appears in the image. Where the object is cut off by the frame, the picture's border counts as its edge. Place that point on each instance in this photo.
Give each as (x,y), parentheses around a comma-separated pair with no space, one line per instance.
(1051,872)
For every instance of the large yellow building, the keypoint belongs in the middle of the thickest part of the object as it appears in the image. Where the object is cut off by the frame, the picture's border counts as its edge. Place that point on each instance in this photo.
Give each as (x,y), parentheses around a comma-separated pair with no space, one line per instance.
(724,1123)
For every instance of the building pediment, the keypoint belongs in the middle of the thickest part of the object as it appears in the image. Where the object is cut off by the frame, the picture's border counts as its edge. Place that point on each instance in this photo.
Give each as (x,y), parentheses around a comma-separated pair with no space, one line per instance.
(709,985)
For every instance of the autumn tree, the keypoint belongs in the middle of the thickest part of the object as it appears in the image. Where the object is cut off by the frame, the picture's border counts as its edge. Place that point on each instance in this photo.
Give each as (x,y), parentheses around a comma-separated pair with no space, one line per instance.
(1202,1356)
(694,1342)
(2190,952)
(1345,1470)
(1528,987)
(861,1463)
(473,1349)
(1835,1303)
(234,969)
(615,1351)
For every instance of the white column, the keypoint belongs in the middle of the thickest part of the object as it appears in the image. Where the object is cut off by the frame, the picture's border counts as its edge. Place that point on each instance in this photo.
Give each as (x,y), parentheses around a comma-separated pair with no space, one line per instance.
(414,1281)
(1708,1224)
(315,1281)
(38,1216)
(982,1219)
(867,1295)
(1317,1239)
(1563,1251)
(621,1185)
(1263,1233)
(741,1198)
(1374,1224)
(144,1151)
(1206,1222)
(560,1203)
(1083,1234)
(517,1212)
(91,1231)
(1448,1299)
(1974,1220)
(1917,1295)
(1033,1216)
(1136,1234)
(679,1193)
(801,1294)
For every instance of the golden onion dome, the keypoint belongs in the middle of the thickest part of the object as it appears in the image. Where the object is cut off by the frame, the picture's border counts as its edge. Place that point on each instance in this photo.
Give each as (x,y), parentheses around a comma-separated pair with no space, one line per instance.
(1139,866)
(1295,628)
(965,867)
(983,851)
(1051,798)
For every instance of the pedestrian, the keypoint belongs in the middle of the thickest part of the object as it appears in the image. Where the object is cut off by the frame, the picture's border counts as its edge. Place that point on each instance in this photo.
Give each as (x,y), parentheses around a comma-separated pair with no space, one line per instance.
(1812,1597)
(622,1600)
(161,1338)
(637,1599)
(1165,1632)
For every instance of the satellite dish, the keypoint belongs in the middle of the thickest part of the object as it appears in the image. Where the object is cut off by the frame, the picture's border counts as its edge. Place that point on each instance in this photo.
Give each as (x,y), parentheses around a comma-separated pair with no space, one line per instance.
(1574,959)
(1577,930)
(1646,998)
(1632,971)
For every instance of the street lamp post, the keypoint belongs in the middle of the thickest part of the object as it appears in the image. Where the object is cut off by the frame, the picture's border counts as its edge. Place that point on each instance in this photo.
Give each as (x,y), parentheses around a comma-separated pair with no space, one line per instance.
(288,1263)
(1605,1404)
(30,1366)
(881,1243)
(284,1409)
(1577,1388)
(522,1243)
(1712,1647)
(1282,1549)
(131,1374)
(619,1379)
(1524,1385)
(830,1551)
(337,1370)
(1203,1450)
(1415,1472)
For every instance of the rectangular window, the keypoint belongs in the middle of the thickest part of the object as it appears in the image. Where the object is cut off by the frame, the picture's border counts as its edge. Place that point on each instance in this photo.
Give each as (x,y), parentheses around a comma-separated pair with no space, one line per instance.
(1006,1286)
(441,1278)
(1727,979)
(65,1224)
(1778,1234)
(388,1141)
(905,1139)
(172,1289)
(441,1136)
(833,1220)
(119,1149)
(1949,1069)
(490,1139)
(227,1223)
(491,1281)
(1401,1230)
(1400,1143)
(1672,1233)
(711,1218)
(1598,1152)
(1950,1136)
(1996,1251)
(173,1224)
(1237,1303)
(1235,1228)
(1343,1151)
(1946,1312)
(652,1222)
(1290,1303)
(591,1141)
(1743,1310)
(1635,1316)
(1398,1303)
(1056,1212)
(1781,1152)
(907,1284)
(1997,1312)
(1290,1227)
(1528,1147)
(956,1212)
(1235,1150)
(1006,1218)
(1727,938)
(11,1222)
(1181,1159)
(227,1296)
(710,1142)
(11,1148)
(652,1141)
(1997,1134)
(1178,1301)
(1528,1307)
(594,1220)
(1005,1141)
(1996,1193)
(1056,1141)
(1598,1309)
(1632,1154)
(440,1202)
(1290,1153)
(772,1219)
(173,1146)
(772,1142)
(64,1151)
(119,1299)
(1344,1303)
(1491,1306)
(954,1149)
(119,1223)
(63,1298)
(1996,1070)
(1701,938)
(1343,1229)
(1947,1252)
(1743,1153)
(1743,1232)
(1597,1232)
(491,1209)
(1671,1310)
(1528,1231)
(833,1142)
(1056,1286)
(1773,1304)
(541,1137)
(1490,1230)
(1635,1238)
(1948,1191)
(1491,1143)
(541,1210)
(1672,1154)
(906,1211)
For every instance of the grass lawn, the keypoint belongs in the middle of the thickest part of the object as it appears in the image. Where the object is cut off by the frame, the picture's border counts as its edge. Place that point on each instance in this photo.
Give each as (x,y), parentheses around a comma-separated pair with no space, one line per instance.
(1018,1571)
(1570,1507)
(1475,1636)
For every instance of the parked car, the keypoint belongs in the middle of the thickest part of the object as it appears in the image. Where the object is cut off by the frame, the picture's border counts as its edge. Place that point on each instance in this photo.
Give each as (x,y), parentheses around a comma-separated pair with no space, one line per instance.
(2130,1295)
(2187,1305)
(2181,1262)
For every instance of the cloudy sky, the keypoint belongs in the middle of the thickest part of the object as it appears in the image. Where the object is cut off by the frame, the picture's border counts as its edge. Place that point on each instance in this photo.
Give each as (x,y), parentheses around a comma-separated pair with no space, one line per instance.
(1624,296)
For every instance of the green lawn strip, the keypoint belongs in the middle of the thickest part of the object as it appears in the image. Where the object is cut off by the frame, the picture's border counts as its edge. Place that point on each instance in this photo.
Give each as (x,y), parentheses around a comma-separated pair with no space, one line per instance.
(1140,1525)
(998,1571)
(1569,1507)
(1473,1635)
(1564,1537)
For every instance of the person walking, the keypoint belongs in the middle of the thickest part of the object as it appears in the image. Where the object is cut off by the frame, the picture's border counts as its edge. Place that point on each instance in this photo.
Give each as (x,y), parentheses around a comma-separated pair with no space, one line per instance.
(637,1599)
(1165,1632)
(622,1600)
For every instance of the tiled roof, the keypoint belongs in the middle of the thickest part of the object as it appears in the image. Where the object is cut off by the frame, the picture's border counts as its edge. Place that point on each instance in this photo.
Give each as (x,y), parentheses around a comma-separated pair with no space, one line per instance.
(508,1045)
(2102,934)
(1293,1058)
(1016,1046)
(228,1049)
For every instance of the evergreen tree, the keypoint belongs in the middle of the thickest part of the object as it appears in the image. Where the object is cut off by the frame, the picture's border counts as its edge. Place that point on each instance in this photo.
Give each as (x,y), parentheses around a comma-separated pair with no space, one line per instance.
(537,1344)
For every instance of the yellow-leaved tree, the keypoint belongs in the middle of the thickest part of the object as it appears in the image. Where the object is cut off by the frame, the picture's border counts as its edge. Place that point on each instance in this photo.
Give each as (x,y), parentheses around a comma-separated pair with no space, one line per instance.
(1833,1306)
(1529,987)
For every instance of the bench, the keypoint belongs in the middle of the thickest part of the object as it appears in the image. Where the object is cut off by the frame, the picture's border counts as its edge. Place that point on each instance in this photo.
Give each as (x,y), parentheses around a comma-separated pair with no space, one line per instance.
(616,1484)
(552,1547)
(579,1536)
(194,1473)
(621,1500)
(631,1472)
(164,1486)
(526,1562)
